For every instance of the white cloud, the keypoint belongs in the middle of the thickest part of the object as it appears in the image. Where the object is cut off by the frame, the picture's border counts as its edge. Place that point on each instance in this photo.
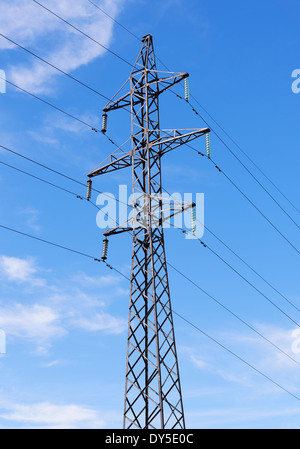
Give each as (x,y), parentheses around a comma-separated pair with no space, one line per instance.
(30,25)
(53,363)
(196,359)
(21,270)
(54,123)
(31,218)
(16,269)
(274,371)
(58,308)
(102,322)
(267,356)
(94,281)
(198,362)
(247,417)
(47,415)
(35,322)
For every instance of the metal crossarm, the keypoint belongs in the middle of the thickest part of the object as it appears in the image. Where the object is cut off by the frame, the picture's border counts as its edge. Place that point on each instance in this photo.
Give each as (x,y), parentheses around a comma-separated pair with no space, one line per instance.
(114,164)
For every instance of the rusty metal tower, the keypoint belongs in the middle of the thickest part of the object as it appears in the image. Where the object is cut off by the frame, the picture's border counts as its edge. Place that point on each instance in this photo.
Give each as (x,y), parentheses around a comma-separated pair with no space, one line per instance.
(153,396)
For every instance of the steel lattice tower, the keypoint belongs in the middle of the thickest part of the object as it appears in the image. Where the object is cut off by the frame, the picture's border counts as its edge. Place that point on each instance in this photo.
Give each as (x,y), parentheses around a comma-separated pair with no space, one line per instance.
(153,396)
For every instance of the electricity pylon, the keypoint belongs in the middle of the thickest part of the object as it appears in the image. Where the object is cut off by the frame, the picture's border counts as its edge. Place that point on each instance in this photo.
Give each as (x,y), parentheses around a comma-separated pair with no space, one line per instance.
(153,396)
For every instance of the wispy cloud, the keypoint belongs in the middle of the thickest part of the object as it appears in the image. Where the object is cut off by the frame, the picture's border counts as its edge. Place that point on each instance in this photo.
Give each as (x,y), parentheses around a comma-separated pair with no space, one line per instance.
(265,372)
(34,322)
(30,25)
(56,307)
(102,322)
(245,417)
(55,123)
(31,218)
(16,269)
(49,415)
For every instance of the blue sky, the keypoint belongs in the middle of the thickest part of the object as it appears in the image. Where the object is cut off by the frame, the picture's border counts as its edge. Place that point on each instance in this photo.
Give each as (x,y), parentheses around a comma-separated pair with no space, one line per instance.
(65,316)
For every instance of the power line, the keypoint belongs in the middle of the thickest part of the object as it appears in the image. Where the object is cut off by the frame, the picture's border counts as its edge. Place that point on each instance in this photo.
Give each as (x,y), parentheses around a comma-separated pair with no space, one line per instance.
(54,171)
(233,252)
(97,130)
(214,252)
(247,156)
(63,247)
(233,141)
(241,163)
(205,245)
(59,70)
(55,67)
(52,105)
(248,282)
(251,202)
(48,242)
(98,259)
(78,196)
(125,28)
(83,33)
(40,179)
(114,20)
(249,266)
(61,110)
(235,355)
(201,242)
(197,113)
(116,145)
(230,311)
(42,165)
(46,8)
(258,210)
(195,284)
(247,198)
(238,273)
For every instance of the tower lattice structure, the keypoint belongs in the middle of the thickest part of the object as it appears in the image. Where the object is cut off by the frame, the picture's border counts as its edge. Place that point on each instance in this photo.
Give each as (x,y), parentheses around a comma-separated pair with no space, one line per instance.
(153,397)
